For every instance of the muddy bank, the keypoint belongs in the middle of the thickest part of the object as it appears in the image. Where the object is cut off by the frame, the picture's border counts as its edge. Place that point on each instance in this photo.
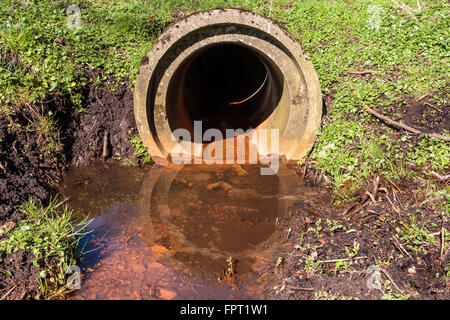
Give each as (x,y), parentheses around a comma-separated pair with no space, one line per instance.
(29,169)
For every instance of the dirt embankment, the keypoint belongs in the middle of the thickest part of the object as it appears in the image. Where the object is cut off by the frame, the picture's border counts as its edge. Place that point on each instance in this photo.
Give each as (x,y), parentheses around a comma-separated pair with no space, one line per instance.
(28,171)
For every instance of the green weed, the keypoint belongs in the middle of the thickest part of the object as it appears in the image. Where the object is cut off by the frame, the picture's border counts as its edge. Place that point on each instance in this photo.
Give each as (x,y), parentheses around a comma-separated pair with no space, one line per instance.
(49,233)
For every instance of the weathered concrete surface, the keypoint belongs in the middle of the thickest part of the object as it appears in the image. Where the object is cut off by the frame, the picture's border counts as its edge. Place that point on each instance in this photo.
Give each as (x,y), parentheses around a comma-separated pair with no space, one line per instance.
(291,101)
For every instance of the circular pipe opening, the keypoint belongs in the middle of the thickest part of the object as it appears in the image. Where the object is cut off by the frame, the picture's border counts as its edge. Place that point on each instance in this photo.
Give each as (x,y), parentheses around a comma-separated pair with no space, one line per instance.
(229,69)
(226,86)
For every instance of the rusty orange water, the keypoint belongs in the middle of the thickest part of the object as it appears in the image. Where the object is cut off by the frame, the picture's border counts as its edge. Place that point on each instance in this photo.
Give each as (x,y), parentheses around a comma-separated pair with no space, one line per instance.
(190,232)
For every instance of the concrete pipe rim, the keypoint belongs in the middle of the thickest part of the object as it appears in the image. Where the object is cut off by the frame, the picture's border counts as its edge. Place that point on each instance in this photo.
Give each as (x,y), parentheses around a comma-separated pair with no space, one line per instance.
(296,108)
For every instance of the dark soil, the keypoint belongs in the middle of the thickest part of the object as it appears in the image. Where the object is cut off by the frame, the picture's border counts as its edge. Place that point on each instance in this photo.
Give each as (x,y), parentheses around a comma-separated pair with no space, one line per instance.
(374,228)
(26,171)
(24,275)
(22,173)
(426,116)
(421,114)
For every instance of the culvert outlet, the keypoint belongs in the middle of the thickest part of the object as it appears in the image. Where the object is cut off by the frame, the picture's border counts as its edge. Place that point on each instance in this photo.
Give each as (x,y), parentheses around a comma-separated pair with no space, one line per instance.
(228,69)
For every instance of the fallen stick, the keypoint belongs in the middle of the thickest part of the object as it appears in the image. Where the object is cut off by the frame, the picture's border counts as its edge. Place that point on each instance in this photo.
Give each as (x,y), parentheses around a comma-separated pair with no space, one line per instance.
(365,200)
(406,127)
(392,280)
(363,72)
(442,241)
(340,260)
(401,248)
(9,291)
(264,271)
(446,257)
(105,146)
(433,106)
(439,176)
(300,288)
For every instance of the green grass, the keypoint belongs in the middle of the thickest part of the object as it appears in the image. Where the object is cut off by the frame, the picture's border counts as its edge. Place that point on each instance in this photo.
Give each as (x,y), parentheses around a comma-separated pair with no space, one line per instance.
(49,234)
(140,152)
(408,54)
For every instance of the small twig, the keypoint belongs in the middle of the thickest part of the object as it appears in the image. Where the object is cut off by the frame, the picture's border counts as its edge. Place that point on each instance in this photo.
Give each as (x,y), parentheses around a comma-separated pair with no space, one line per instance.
(339,260)
(349,209)
(392,281)
(433,106)
(363,72)
(371,196)
(105,146)
(264,271)
(406,127)
(7,293)
(396,187)
(365,200)
(442,241)
(288,233)
(419,6)
(405,8)
(300,288)
(376,186)
(422,97)
(401,248)
(446,257)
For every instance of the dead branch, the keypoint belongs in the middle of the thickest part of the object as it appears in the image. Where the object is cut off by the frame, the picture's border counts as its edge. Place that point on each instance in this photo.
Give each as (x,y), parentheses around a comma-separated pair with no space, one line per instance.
(401,248)
(446,257)
(367,196)
(300,288)
(406,127)
(408,9)
(440,177)
(7,293)
(264,271)
(433,106)
(392,280)
(105,146)
(363,72)
(442,241)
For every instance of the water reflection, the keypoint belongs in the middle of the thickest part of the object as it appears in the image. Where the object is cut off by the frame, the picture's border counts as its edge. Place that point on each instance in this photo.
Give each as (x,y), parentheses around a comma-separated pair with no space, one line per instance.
(175,239)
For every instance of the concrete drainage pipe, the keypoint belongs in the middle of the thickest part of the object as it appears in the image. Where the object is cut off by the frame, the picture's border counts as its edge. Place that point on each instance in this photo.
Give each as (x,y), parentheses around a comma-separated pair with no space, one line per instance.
(229,69)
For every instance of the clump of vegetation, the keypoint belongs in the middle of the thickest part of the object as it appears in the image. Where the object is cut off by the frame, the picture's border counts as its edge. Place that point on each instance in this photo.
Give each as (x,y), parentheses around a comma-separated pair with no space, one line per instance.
(141,152)
(415,234)
(49,233)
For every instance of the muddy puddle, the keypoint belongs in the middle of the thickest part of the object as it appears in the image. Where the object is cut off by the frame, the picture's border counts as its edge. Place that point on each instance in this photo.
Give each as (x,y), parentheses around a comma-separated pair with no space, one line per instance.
(181,232)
